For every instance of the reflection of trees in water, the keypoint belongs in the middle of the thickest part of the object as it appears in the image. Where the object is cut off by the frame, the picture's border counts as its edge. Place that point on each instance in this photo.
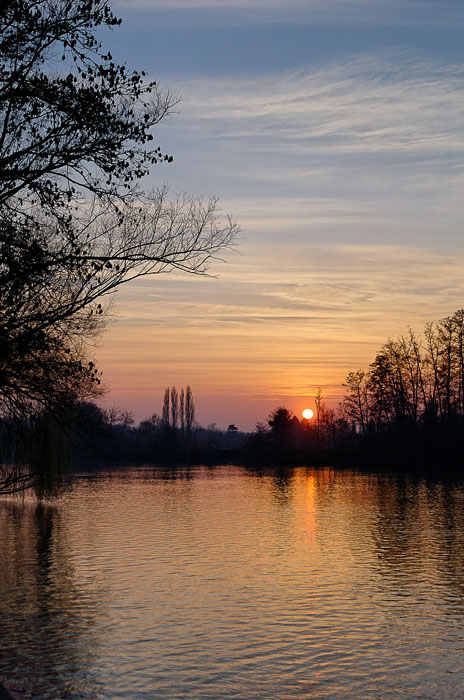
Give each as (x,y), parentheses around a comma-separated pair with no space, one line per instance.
(452,542)
(282,482)
(280,477)
(419,530)
(396,529)
(46,619)
(174,473)
(447,502)
(284,479)
(416,524)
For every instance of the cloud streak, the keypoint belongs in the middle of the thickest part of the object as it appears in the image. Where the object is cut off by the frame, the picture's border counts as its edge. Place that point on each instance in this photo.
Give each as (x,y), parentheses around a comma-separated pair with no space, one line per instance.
(371,105)
(376,144)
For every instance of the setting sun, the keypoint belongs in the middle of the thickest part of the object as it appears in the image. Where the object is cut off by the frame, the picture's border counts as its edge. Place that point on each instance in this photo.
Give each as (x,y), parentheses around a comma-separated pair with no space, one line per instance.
(307,413)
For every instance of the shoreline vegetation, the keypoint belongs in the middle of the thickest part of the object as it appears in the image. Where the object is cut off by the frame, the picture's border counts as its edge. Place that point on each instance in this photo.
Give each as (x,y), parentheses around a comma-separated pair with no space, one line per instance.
(405,412)
(339,439)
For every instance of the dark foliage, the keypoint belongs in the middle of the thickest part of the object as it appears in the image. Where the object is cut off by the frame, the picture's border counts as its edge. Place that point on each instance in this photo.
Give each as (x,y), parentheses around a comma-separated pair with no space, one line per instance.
(76,137)
(409,405)
(109,438)
(406,411)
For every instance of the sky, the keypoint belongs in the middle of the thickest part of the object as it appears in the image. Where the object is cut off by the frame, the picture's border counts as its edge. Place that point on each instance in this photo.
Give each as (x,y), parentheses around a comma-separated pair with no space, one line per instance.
(333,132)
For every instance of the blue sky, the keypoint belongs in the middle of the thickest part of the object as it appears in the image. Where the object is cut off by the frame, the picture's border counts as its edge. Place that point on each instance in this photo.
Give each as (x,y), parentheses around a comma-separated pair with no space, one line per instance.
(230,38)
(334,132)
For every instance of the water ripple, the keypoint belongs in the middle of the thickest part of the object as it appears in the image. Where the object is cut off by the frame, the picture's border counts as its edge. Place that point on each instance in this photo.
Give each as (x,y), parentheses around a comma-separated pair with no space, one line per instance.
(231,584)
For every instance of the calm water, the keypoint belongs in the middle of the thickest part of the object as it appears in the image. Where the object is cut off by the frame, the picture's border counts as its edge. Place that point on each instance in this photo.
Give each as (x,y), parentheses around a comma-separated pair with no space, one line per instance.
(230,584)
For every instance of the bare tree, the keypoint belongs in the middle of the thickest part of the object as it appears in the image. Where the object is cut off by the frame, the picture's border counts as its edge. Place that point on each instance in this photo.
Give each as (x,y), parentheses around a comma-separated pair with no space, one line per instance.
(166,404)
(189,410)
(174,407)
(355,403)
(182,409)
(74,222)
(412,380)
(318,404)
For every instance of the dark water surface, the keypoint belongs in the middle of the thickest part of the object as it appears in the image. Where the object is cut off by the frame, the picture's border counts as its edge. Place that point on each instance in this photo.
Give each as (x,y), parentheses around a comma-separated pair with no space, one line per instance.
(222,583)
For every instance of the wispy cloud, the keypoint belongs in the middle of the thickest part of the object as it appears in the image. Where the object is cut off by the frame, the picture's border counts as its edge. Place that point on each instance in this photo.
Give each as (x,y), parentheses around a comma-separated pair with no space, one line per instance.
(379,141)
(370,105)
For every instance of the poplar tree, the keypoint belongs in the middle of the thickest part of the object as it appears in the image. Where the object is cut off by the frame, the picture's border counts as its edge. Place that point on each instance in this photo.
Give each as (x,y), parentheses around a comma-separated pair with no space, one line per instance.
(189,410)
(182,409)
(166,404)
(174,407)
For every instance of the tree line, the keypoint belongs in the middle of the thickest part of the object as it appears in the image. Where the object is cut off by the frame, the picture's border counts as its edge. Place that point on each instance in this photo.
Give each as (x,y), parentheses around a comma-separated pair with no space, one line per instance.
(406,409)
(111,437)
(413,381)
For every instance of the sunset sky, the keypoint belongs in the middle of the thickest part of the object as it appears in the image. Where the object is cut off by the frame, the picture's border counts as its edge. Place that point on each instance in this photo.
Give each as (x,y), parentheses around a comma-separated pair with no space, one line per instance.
(333,131)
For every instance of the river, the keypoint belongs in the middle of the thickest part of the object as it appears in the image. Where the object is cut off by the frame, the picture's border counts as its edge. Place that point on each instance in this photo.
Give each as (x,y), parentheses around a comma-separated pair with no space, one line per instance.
(228,583)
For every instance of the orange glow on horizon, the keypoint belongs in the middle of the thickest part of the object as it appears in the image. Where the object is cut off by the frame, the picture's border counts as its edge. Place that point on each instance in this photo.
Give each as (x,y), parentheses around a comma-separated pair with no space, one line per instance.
(232,346)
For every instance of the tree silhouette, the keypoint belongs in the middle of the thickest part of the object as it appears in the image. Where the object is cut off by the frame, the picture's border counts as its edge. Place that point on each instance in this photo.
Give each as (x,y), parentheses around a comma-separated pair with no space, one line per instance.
(75,140)
(189,410)
(166,405)
(174,407)
(182,409)
(411,381)
(280,421)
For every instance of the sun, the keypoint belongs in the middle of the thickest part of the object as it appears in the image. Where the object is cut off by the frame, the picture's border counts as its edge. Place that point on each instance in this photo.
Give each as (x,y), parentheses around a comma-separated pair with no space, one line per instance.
(308,413)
